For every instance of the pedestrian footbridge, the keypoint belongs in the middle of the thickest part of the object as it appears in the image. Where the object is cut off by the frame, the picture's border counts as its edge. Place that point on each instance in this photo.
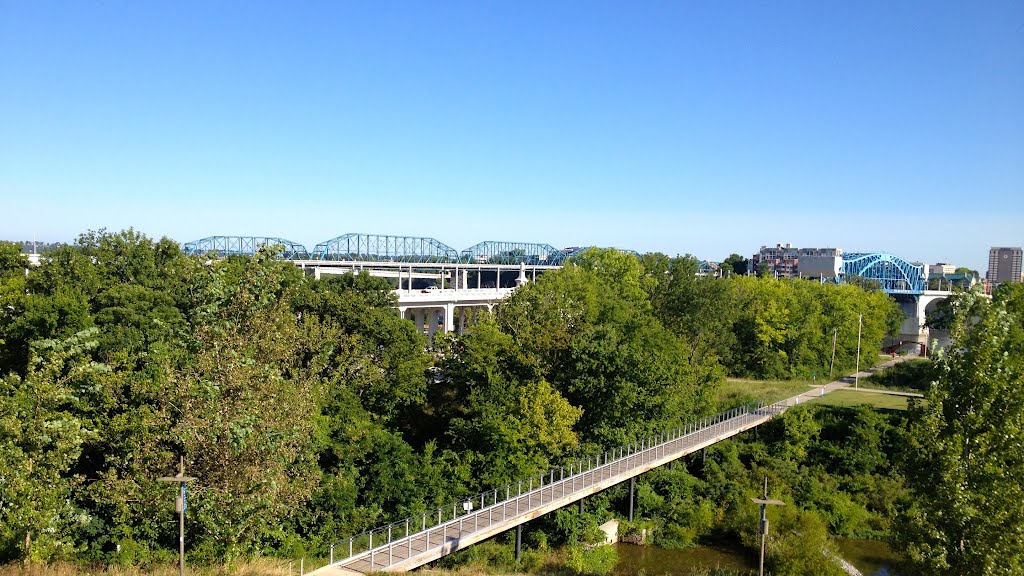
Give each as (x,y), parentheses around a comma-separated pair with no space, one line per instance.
(417,540)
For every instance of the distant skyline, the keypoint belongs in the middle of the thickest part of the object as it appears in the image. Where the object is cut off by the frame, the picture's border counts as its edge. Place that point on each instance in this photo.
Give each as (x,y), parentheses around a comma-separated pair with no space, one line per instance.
(702,128)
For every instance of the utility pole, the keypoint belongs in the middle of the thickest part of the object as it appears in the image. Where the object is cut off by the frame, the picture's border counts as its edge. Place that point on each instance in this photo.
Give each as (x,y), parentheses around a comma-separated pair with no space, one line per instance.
(856,377)
(764,502)
(179,507)
(835,332)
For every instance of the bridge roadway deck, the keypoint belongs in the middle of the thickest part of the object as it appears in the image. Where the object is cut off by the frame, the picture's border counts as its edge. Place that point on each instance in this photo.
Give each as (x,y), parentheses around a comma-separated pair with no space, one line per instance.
(501,512)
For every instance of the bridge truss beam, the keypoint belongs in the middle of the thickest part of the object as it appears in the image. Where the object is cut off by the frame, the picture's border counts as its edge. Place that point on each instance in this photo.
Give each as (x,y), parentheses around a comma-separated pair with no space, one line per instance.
(224,246)
(496,252)
(385,248)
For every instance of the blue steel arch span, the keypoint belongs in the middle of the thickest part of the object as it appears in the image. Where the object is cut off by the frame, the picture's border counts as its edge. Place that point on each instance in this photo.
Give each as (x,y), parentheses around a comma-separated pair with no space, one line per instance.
(385,248)
(894,274)
(224,246)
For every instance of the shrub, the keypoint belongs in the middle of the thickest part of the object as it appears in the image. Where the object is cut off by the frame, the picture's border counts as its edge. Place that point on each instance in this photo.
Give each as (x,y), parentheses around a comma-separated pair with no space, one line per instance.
(597,561)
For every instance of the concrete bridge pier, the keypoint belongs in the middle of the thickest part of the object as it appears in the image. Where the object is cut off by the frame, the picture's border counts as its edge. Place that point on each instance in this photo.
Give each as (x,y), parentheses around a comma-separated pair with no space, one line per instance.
(449,317)
(522,275)
(916,311)
(434,323)
(913,328)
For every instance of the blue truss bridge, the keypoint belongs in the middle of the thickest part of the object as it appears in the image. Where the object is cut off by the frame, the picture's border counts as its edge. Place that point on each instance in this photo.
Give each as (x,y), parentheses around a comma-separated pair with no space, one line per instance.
(225,246)
(359,247)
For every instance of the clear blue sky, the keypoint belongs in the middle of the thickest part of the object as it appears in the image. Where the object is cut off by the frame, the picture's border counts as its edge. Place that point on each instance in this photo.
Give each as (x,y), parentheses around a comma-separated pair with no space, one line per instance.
(683,127)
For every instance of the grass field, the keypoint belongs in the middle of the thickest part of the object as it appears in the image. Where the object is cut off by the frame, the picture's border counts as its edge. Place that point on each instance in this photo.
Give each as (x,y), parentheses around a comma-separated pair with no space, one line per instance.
(904,377)
(914,375)
(848,398)
(737,392)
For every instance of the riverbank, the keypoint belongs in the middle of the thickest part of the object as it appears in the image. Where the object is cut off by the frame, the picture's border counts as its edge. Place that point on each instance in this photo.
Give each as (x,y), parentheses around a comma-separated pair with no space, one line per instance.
(257,567)
(871,557)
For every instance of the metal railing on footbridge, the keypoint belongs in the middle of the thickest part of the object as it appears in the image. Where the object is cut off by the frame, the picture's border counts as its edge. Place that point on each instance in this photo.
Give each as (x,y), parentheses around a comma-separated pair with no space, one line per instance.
(399,541)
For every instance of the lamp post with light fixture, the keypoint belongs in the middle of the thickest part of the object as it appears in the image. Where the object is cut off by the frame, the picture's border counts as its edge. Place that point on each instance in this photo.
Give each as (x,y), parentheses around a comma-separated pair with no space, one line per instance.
(764,502)
(179,507)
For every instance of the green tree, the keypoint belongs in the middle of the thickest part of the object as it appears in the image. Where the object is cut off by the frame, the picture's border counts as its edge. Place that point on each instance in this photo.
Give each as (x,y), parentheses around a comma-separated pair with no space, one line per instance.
(620,270)
(377,450)
(799,545)
(1010,295)
(245,406)
(596,340)
(496,407)
(699,309)
(966,271)
(12,261)
(518,430)
(965,457)
(41,437)
(375,351)
(736,264)
(32,317)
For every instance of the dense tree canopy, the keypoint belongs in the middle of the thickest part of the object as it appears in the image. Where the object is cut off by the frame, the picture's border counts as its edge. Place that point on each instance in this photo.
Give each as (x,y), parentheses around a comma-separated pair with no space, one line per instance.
(310,411)
(765,327)
(967,456)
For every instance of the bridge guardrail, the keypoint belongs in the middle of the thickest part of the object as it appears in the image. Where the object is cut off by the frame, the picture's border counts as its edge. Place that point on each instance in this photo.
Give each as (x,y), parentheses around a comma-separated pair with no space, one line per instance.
(382,538)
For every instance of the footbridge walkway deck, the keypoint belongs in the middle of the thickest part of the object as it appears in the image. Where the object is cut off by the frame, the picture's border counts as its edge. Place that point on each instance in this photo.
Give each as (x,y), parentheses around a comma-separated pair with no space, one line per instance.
(415,541)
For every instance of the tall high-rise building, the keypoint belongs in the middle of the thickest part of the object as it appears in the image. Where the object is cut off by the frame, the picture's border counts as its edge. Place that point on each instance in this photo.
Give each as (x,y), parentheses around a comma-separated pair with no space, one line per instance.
(1004,265)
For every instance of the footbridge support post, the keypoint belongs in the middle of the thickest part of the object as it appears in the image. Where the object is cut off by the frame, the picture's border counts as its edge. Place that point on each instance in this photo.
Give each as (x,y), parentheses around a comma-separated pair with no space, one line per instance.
(632,488)
(519,541)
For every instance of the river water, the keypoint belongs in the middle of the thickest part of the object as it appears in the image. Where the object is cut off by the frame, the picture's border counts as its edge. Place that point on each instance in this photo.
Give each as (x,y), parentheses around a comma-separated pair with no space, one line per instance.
(871,557)
(655,561)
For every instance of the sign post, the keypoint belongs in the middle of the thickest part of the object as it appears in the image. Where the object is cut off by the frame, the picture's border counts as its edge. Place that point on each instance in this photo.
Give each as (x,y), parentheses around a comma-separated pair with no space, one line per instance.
(764,502)
(179,506)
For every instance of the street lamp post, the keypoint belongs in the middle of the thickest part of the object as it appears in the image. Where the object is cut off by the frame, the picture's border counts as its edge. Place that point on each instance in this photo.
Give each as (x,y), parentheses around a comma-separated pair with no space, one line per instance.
(835,332)
(179,507)
(856,376)
(764,502)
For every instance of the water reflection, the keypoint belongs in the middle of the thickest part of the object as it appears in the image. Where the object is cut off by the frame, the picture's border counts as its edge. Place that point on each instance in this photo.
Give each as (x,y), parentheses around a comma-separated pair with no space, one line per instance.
(655,561)
(871,557)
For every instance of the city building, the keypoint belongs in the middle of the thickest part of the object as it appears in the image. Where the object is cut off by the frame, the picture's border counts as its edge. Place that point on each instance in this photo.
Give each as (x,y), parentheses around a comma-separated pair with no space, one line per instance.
(943,276)
(783,260)
(1004,265)
(708,268)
